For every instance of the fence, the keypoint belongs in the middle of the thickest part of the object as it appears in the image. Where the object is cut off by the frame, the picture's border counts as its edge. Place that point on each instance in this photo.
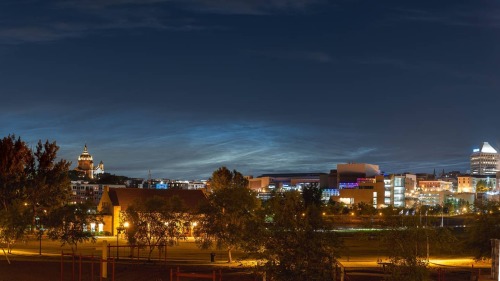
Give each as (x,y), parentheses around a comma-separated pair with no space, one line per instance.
(85,266)
(339,272)
(137,252)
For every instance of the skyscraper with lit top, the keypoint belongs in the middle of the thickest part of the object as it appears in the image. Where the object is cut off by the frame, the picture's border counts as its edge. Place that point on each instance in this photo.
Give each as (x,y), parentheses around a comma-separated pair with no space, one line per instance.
(484,160)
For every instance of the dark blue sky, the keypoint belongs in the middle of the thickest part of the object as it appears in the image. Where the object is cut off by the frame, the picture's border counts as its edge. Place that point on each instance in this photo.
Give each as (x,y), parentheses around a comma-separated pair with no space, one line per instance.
(181,87)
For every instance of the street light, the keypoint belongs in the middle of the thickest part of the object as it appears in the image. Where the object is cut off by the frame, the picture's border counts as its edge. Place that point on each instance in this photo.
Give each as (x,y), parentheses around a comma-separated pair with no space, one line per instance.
(120,229)
(40,233)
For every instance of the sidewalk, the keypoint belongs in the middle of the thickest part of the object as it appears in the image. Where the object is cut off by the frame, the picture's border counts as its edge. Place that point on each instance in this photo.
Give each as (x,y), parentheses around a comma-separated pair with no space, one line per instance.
(436,262)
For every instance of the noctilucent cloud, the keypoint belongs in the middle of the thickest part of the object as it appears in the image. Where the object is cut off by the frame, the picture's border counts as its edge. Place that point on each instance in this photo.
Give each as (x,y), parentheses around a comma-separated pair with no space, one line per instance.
(182,87)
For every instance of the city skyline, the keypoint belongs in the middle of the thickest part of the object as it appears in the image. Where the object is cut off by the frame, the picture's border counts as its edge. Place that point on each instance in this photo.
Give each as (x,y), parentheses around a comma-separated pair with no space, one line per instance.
(180,88)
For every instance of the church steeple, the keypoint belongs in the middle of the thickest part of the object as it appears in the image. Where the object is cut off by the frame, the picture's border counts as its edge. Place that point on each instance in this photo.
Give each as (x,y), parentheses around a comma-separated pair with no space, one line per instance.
(86,163)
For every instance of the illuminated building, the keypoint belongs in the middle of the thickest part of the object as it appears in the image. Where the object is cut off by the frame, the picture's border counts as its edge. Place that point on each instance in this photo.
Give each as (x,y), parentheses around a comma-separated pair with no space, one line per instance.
(464,184)
(82,192)
(356,183)
(368,190)
(86,165)
(435,185)
(293,181)
(469,183)
(484,160)
(266,183)
(348,174)
(395,187)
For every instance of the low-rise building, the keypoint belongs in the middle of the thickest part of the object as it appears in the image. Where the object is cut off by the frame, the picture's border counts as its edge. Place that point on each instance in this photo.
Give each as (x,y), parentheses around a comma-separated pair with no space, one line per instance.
(369,191)
(267,183)
(116,200)
(82,192)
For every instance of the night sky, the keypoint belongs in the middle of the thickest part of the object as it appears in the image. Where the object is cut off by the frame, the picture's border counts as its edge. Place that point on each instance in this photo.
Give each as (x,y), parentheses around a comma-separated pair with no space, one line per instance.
(181,87)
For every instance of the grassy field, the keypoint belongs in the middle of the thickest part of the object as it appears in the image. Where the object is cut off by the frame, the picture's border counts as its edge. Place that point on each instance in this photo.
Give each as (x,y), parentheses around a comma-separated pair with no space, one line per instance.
(360,253)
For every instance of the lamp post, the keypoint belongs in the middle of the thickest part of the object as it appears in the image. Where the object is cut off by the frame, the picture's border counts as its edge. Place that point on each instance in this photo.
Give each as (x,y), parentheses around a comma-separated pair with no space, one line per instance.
(120,229)
(40,233)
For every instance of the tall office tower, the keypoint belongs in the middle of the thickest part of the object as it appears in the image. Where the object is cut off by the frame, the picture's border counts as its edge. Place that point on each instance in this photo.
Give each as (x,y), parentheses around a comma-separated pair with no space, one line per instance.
(484,160)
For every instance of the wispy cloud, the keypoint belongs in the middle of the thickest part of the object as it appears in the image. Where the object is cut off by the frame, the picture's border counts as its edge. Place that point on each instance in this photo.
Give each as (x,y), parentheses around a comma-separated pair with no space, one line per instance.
(27,34)
(218,6)
(250,7)
(65,19)
(472,16)
(187,148)
(423,66)
(80,18)
(311,56)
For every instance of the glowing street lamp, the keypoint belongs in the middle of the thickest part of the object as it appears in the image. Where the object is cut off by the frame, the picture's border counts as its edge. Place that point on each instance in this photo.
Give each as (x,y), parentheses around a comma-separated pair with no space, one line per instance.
(193,225)
(120,229)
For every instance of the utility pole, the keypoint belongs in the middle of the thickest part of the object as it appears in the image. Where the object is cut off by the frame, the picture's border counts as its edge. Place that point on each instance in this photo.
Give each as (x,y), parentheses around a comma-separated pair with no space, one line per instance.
(427,246)
(149,179)
(442,217)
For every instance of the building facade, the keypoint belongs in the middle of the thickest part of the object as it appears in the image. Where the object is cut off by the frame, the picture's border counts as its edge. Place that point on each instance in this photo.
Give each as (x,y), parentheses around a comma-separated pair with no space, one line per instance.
(84,192)
(368,190)
(114,201)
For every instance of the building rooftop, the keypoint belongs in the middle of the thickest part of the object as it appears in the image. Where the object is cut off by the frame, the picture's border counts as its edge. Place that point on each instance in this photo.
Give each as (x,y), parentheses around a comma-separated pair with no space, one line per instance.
(486,148)
(125,197)
(292,175)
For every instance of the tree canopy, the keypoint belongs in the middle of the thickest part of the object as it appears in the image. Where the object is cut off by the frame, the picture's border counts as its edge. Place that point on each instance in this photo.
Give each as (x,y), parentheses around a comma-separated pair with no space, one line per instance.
(156,222)
(231,211)
(484,226)
(48,183)
(69,224)
(224,178)
(14,159)
(483,186)
(32,183)
(297,244)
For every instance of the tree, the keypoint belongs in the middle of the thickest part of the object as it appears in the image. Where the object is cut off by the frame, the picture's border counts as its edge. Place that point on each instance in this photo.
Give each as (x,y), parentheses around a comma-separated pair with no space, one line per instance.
(312,195)
(336,208)
(156,222)
(48,184)
(408,263)
(108,178)
(297,244)
(14,158)
(484,226)
(13,222)
(482,186)
(29,181)
(227,220)
(409,247)
(364,209)
(224,178)
(69,224)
